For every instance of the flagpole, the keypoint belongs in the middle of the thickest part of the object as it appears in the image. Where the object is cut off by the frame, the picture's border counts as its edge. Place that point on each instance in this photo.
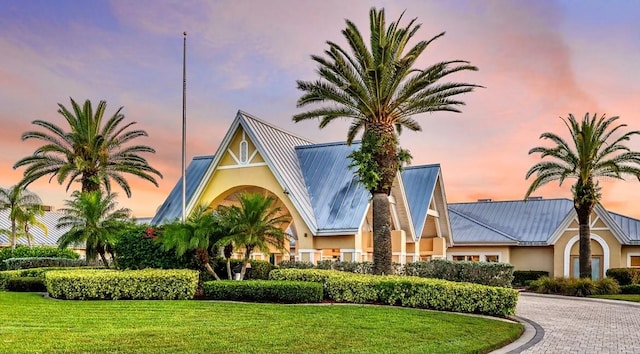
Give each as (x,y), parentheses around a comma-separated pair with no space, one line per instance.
(184,126)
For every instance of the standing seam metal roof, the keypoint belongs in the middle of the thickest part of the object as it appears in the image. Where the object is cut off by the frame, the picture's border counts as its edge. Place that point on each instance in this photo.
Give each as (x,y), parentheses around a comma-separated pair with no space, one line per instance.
(50,219)
(419,184)
(630,226)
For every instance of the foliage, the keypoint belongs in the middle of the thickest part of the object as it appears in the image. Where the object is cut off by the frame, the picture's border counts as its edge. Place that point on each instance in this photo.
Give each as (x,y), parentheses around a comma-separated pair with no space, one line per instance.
(264,291)
(574,287)
(37,251)
(175,284)
(138,247)
(379,89)
(630,289)
(596,150)
(93,221)
(524,277)
(256,224)
(23,207)
(40,262)
(295,264)
(231,327)
(624,276)
(406,291)
(26,284)
(6,275)
(93,152)
(493,274)
(259,270)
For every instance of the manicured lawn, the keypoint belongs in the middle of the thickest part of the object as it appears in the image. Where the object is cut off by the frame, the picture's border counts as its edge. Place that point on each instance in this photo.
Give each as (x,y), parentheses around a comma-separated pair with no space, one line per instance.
(628,297)
(31,323)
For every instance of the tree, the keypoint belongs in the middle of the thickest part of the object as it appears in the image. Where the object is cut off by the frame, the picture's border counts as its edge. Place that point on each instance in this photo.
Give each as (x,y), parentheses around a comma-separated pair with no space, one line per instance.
(592,153)
(92,152)
(93,221)
(28,219)
(256,223)
(23,206)
(380,91)
(201,231)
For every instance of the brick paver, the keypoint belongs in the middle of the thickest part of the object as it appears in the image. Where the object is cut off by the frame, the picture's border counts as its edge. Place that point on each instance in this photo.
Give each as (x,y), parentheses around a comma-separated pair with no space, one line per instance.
(575,325)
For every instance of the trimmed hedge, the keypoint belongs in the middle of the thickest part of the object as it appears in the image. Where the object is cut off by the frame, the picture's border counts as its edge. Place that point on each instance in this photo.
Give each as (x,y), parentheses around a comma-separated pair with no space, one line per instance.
(624,276)
(492,274)
(524,277)
(630,289)
(296,265)
(36,251)
(575,286)
(102,284)
(42,262)
(32,272)
(26,284)
(435,294)
(264,291)
(138,248)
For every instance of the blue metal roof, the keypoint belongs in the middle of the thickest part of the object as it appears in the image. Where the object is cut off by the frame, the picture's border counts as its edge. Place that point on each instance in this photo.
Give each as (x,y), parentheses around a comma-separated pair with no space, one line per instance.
(339,201)
(171,209)
(470,231)
(419,183)
(50,219)
(532,221)
(630,226)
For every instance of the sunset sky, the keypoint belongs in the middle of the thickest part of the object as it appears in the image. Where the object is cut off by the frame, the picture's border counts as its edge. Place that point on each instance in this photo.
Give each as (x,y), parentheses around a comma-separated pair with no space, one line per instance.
(538,61)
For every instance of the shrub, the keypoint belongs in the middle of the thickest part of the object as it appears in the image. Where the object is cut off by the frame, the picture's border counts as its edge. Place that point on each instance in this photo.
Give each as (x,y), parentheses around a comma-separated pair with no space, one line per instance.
(524,277)
(493,274)
(26,284)
(574,286)
(32,272)
(137,248)
(37,251)
(630,289)
(40,262)
(259,269)
(296,264)
(607,286)
(264,291)
(624,276)
(407,291)
(103,284)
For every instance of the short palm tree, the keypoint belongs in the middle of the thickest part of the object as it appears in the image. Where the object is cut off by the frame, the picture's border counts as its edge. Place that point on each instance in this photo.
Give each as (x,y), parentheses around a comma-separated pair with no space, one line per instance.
(93,221)
(23,206)
(380,90)
(29,219)
(200,233)
(255,224)
(93,151)
(593,152)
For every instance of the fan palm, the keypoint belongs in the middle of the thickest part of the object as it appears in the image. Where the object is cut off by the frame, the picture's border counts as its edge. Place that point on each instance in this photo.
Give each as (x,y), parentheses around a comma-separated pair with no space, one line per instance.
(93,151)
(202,230)
(23,206)
(380,91)
(93,220)
(592,153)
(255,224)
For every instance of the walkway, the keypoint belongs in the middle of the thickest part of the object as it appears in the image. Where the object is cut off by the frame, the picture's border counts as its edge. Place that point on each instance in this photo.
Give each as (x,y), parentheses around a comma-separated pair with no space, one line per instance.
(578,325)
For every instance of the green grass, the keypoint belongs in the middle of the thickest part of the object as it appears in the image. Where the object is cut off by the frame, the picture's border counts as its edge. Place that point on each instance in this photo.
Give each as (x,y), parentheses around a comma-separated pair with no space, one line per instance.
(622,297)
(31,323)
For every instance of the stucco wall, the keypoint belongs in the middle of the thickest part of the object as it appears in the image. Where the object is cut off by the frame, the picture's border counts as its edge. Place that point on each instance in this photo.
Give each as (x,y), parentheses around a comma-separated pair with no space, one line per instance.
(533,258)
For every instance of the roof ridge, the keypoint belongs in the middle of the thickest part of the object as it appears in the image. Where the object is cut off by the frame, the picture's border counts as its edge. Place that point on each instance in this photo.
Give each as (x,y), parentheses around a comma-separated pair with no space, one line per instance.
(273,126)
(333,143)
(483,224)
(203,157)
(511,201)
(414,167)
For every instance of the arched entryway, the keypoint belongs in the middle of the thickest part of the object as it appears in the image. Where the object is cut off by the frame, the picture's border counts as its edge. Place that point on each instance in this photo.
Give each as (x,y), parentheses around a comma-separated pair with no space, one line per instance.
(599,259)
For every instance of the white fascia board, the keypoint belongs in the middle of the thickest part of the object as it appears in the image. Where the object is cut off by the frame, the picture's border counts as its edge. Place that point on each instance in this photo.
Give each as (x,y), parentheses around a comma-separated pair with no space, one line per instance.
(405,202)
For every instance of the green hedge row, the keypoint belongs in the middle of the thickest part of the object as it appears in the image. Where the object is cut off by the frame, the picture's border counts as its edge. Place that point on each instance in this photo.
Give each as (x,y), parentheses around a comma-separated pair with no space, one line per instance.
(6,275)
(524,277)
(42,262)
(36,251)
(624,276)
(264,291)
(574,286)
(630,289)
(435,294)
(103,284)
(492,274)
(26,284)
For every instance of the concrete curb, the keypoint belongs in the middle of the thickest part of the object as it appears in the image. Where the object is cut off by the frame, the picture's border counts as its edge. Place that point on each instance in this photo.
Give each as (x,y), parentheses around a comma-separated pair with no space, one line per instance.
(533,334)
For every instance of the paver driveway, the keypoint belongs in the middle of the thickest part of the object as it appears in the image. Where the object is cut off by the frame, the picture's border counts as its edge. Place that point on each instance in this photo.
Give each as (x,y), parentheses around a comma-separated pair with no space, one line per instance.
(577,325)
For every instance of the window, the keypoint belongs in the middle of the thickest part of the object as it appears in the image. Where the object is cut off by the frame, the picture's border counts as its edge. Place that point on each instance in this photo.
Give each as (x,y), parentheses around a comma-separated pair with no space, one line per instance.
(493,258)
(244,152)
(634,261)
(471,258)
(596,267)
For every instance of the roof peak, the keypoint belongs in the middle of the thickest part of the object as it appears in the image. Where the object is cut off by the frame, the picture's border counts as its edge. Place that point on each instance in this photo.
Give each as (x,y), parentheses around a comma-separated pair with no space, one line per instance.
(272,126)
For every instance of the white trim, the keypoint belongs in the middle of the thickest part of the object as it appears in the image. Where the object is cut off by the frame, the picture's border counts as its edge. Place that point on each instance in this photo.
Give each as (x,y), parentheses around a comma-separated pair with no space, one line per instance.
(571,216)
(255,152)
(576,238)
(591,228)
(629,255)
(233,155)
(394,213)
(432,212)
(405,203)
(482,255)
(364,219)
(402,257)
(595,220)
(230,167)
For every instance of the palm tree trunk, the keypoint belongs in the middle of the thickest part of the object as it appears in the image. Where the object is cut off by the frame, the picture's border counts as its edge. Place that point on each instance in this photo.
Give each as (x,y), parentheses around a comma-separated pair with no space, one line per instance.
(247,256)
(13,234)
(382,255)
(584,213)
(104,259)
(203,256)
(210,270)
(228,252)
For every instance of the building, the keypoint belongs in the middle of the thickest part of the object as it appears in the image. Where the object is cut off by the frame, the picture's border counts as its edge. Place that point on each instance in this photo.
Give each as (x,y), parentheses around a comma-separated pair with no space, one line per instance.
(331,214)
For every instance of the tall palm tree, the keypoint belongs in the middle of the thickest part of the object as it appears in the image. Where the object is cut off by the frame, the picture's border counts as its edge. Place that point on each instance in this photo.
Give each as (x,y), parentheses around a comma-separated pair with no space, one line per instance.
(93,221)
(593,152)
(255,224)
(201,231)
(93,151)
(21,203)
(380,91)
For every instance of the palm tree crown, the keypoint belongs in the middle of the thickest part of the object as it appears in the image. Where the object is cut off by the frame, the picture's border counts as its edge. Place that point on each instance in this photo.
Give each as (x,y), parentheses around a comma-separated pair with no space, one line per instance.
(593,152)
(93,151)
(93,221)
(23,207)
